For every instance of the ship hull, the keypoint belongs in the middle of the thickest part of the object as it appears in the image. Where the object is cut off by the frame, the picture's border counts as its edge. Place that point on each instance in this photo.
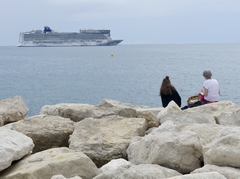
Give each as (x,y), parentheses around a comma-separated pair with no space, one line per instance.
(50,38)
(47,44)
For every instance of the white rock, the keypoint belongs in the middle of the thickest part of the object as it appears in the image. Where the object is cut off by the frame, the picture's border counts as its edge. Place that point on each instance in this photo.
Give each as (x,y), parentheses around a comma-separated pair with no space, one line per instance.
(228,172)
(141,171)
(216,108)
(62,177)
(113,103)
(12,110)
(207,175)
(168,147)
(77,112)
(13,146)
(113,168)
(115,164)
(224,150)
(174,113)
(225,112)
(150,114)
(106,138)
(229,118)
(56,161)
(172,107)
(46,131)
(205,132)
(58,177)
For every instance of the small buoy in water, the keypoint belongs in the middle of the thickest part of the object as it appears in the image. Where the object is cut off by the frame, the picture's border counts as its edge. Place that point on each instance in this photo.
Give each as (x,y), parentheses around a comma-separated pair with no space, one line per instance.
(112,54)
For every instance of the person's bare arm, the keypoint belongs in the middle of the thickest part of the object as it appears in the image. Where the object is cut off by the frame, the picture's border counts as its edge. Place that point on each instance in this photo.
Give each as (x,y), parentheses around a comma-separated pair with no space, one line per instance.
(205,91)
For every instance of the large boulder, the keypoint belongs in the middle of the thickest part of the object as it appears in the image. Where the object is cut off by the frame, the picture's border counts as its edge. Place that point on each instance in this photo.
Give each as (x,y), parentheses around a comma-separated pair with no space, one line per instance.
(174,113)
(205,132)
(207,175)
(114,103)
(13,146)
(168,147)
(62,177)
(113,168)
(216,108)
(222,112)
(56,161)
(229,118)
(12,110)
(78,112)
(150,114)
(224,150)
(46,131)
(115,164)
(106,138)
(141,171)
(228,172)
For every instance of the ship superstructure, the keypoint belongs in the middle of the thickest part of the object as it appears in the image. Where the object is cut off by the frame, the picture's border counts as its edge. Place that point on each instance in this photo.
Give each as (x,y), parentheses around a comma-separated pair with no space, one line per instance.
(50,38)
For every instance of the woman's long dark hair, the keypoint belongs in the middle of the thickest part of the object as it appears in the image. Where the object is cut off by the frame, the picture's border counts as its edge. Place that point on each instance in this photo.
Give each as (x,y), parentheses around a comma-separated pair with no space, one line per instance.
(166,87)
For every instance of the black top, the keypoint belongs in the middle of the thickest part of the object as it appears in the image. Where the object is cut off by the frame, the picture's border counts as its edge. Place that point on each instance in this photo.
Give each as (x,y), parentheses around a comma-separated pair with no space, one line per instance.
(167,98)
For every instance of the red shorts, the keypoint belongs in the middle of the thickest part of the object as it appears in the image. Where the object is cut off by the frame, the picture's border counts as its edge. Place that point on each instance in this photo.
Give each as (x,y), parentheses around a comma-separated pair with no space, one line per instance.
(204,100)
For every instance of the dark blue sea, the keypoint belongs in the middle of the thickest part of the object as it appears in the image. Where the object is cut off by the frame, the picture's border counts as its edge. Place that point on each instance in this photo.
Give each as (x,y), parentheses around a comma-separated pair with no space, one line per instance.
(132,74)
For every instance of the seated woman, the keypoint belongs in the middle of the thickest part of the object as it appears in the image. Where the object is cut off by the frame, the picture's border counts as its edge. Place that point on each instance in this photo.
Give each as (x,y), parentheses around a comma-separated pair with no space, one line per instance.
(210,91)
(168,93)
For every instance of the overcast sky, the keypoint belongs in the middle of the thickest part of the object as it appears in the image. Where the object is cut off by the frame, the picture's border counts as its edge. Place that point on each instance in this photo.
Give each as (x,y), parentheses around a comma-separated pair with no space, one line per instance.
(134,21)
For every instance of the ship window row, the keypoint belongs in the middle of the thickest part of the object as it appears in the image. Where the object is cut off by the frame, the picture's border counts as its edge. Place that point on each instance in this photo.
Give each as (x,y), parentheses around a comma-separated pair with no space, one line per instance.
(31,37)
(95,31)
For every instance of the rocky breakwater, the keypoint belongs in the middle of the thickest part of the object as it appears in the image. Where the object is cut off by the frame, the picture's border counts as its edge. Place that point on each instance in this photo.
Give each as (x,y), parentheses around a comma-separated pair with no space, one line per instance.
(116,140)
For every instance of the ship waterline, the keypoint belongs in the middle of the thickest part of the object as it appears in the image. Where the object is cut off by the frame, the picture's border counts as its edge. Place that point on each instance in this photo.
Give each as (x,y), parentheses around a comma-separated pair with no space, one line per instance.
(50,38)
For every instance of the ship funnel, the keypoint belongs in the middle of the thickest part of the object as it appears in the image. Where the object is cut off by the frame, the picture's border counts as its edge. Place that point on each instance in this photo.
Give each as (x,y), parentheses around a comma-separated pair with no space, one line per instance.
(47,29)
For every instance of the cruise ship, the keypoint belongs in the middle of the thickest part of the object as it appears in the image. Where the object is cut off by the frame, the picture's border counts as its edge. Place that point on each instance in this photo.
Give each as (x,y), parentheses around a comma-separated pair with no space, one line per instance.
(51,38)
